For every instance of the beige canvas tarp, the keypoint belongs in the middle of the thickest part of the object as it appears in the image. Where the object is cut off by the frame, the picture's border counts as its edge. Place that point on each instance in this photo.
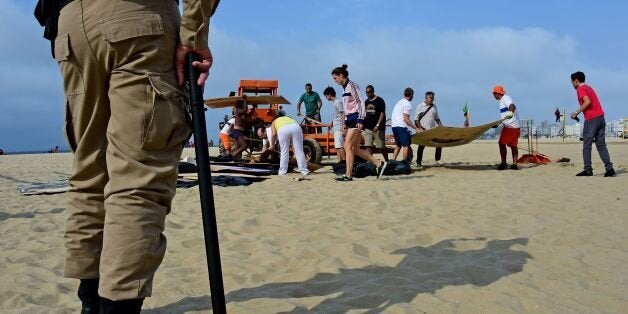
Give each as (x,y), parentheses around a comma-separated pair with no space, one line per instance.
(444,136)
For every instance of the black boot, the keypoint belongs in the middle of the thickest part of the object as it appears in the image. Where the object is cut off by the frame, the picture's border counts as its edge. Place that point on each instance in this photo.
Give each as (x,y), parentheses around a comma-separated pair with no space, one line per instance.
(132,306)
(585,173)
(88,294)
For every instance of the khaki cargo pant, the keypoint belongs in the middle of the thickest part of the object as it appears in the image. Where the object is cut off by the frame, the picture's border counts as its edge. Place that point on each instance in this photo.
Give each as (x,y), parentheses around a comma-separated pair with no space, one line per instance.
(126,123)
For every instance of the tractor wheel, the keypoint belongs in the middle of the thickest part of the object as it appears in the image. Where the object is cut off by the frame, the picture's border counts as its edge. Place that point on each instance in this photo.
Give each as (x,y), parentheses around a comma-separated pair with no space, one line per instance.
(313,151)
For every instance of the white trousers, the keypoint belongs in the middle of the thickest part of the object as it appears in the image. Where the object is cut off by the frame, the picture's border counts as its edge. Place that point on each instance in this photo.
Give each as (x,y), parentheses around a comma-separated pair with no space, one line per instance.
(287,133)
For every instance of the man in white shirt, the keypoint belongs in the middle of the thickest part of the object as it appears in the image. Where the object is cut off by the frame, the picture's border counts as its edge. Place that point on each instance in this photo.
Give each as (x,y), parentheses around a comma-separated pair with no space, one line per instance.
(426,117)
(402,127)
(225,136)
(511,131)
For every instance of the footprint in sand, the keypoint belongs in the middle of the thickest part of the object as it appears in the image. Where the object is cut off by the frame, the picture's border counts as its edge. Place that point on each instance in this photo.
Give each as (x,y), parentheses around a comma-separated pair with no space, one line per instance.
(173,225)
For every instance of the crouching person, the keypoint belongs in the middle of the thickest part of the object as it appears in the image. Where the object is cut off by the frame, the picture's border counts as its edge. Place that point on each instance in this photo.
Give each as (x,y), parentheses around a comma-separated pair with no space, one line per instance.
(284,130)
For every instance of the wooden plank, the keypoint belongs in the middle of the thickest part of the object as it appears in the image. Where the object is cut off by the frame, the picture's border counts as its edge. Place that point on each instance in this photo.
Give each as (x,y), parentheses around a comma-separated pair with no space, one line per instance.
(226,102)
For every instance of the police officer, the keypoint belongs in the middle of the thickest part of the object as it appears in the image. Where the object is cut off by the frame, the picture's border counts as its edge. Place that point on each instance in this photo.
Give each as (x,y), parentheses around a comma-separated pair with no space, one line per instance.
(122,67)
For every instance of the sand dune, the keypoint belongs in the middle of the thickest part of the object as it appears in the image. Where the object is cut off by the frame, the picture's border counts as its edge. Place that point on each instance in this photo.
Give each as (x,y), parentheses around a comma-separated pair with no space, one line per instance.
(459,237)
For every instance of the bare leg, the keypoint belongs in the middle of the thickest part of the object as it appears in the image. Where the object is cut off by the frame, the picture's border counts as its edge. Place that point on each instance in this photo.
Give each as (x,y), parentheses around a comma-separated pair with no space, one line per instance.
(234,148)
(241,147)
(515,154)
(384,153)
(364,154)
(340,152)
(349,149)
(396,152)
(502,152)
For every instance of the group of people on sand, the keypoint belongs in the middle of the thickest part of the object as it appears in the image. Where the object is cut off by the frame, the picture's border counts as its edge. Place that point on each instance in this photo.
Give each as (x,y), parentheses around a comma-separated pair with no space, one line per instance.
(594,126)
(358,119)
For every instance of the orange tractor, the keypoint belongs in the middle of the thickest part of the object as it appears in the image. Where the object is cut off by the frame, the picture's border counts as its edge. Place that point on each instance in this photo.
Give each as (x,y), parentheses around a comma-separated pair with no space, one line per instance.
(262,101)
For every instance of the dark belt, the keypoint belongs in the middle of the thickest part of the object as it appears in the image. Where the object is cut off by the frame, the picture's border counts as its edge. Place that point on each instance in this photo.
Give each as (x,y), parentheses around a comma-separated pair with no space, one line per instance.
(47,14)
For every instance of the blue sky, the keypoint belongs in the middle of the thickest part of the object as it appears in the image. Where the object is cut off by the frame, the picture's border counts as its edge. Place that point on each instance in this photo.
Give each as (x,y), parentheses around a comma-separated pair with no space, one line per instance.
(459,49)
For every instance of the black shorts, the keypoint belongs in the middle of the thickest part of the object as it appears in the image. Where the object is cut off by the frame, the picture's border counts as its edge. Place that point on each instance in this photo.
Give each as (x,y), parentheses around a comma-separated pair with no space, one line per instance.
(235,134)
(351,120)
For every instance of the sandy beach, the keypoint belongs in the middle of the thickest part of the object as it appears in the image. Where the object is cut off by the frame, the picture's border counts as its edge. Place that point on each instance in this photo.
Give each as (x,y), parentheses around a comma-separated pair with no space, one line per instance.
(459,237)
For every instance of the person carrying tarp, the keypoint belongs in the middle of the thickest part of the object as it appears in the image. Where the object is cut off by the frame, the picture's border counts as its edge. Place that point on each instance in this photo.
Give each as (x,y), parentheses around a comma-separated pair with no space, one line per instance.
(426,118)
(511,131)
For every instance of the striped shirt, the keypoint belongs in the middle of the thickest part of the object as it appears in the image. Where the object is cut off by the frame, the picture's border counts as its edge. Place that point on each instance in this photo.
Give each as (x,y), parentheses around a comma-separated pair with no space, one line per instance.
(353,101)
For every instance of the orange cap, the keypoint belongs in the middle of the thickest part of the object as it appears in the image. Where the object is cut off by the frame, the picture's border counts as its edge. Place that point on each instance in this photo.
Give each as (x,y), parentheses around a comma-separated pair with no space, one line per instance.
(498,89)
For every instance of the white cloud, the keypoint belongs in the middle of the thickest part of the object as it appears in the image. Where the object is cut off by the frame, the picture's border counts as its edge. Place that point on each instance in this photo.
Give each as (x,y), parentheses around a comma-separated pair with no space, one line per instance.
(460,66)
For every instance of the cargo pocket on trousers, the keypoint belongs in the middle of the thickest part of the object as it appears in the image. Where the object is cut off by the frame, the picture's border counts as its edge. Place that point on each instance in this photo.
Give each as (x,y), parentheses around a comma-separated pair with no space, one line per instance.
(168,121)
(73,83)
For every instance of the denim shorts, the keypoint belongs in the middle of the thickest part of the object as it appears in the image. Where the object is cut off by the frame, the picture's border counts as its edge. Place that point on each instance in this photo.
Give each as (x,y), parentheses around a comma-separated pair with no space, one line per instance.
(402,136)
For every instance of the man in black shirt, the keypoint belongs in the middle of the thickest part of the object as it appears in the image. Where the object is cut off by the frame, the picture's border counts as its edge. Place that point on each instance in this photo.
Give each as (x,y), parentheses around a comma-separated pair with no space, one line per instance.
(375,123)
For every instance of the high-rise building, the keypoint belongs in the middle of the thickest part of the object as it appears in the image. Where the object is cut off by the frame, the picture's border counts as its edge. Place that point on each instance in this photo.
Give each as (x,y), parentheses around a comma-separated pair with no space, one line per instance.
(545,128)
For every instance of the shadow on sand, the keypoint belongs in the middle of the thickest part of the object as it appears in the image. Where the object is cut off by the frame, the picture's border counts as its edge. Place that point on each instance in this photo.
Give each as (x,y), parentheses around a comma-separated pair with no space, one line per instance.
(453,262)
(478,167)
(5,216)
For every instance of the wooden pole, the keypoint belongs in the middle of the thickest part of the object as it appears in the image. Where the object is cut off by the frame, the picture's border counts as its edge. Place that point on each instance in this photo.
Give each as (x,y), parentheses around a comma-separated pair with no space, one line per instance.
(564,123)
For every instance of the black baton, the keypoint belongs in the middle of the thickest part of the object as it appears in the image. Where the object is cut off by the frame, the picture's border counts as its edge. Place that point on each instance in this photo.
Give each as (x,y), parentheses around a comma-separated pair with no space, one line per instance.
(208,209)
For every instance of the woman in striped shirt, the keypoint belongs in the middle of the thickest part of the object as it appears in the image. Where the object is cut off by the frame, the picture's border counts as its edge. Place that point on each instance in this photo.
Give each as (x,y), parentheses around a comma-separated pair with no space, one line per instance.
(354,112)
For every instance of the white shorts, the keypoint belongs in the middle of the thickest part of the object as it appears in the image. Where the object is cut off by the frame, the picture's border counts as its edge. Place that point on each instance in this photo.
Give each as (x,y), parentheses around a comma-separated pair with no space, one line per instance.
(339,139)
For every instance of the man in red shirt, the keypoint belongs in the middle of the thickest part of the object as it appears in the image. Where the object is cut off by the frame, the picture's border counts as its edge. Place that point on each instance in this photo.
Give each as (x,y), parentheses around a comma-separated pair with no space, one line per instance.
(594,126)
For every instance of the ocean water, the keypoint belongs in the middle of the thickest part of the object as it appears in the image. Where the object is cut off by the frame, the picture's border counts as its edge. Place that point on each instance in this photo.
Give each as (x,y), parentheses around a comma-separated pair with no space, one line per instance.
(33,152)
